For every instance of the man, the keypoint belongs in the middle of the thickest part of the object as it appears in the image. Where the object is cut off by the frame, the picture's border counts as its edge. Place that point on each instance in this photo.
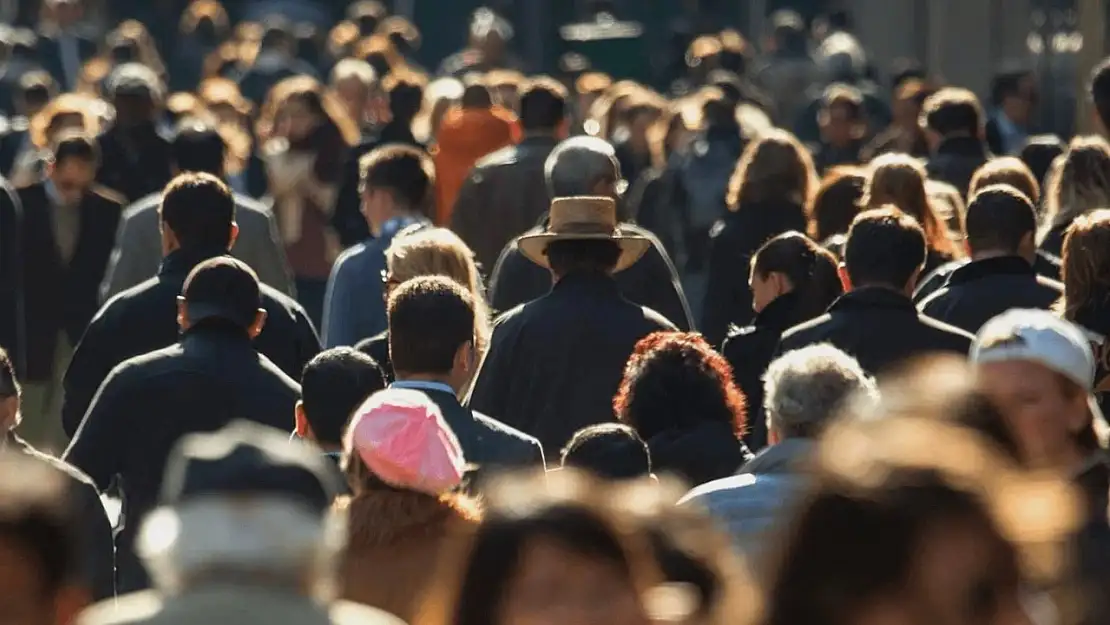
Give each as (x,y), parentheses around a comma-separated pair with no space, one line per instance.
(611,451)
(431,343)
(136,158)
(555,363)
(587,166)
(68,227)
(207,379)
(954,128)
(40,546)
(242,534)
(487,49)
(276,61)
(843,124)
(97,555)
(505,194)
(397,184)
(334,383)
(63,48)
(405,92)
(875,321)
(198,223)
(196,148)
(803,392)
(1001,225)
(1014,96)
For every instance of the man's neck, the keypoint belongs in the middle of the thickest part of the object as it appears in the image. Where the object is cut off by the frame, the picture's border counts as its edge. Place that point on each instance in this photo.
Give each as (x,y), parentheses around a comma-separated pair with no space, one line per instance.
(397,212)
(426,377)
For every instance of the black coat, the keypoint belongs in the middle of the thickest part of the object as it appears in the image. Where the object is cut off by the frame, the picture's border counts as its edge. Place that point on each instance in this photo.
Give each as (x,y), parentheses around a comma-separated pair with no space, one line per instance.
(707,452)
(377,347)
(880,328)
(555,363)
(61,296)
(651,282)
(200,384)
(956,160)
(981,290)
(12,333)
(135,163)
(735,239)
(487,442)
(144,318)
(750,349)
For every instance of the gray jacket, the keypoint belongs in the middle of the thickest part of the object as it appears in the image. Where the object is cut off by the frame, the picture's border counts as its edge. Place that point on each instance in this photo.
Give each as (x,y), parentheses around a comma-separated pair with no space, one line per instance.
(138,251)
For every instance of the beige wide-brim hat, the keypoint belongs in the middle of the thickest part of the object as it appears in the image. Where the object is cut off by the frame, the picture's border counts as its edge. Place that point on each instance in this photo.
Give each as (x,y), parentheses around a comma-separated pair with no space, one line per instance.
(584,219)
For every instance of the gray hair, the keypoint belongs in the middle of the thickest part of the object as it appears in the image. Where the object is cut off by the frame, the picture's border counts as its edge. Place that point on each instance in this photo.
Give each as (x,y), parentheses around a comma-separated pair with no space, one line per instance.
(358,69)
(806,388)
(577,165)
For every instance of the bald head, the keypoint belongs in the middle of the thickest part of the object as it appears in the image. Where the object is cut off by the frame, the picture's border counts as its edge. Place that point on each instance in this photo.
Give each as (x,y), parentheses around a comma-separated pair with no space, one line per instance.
(583,166)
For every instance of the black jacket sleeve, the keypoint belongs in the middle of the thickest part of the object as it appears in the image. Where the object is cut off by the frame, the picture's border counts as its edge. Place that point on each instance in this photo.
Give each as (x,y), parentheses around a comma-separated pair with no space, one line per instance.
(99,546)
(11,276)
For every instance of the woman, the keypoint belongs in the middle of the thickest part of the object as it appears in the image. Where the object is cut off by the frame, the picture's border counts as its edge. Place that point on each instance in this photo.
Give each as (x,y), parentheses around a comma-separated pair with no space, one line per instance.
(793,280)
(768,193)
(899,179)
(308,135)
(421,250)
(1085,272)
(680,397)
(1080,183)
(835,205)
(405,469)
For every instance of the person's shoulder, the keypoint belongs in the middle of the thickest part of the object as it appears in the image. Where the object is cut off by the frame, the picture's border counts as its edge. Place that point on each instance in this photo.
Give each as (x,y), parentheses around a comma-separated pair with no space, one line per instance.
(274,297)
(504,431)
(127,302)
(144,206)
(350,613)
(368,345)
(351,255)
(950,333)
(107,196)
(938,298)
(71,472)
(138,607)
(803,332)
(250,206)
(504,157)
(150,364)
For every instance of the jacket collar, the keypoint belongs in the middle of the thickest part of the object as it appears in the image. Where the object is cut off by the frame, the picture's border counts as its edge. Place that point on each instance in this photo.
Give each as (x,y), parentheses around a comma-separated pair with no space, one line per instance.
(422,385)
(780,314)
(962,146)
(873,297)
(781,457)
(1000,266)
(182,261)
(587,283)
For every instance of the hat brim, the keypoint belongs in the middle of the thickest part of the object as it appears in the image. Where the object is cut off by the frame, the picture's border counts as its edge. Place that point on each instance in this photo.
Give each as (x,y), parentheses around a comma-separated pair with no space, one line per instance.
(534,246)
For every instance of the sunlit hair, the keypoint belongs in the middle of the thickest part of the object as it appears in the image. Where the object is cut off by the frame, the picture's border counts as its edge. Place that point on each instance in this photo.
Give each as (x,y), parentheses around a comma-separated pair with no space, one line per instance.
(810,268)
(223,92)
(318,100)
(1085,266)
(1081,183)
(1008,170)
(774,168)
(380,47)
(606,112)
(69,110)
(899,179)
(676,379)
(836,202)
(804,389)
(342,39)
(204,9)
(440,252)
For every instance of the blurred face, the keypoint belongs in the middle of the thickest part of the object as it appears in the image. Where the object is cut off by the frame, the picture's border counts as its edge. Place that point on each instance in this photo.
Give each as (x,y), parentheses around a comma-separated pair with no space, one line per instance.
(296,121)
(72,178)
(1043,416)
(354,95)
(838,127)
(1020,106)
(556,586)
(23,599)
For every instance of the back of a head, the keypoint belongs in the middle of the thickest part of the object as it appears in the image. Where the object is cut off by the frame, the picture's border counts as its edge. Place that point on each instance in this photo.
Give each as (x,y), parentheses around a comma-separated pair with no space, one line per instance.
(774,169)
(804,390)
(199,209)
(1007,170)
(953,111)
(477,95)
(198,147)
(368,15)
(404,171)
(900,179)
(811,269)
(430,318)
(333,384)
(1007,83)
(999,217)
(885,247)
(613,451)
(543,105)
(1038,154)
(405,91)
(36,89)
(837,201)
(277,34)
(576,166)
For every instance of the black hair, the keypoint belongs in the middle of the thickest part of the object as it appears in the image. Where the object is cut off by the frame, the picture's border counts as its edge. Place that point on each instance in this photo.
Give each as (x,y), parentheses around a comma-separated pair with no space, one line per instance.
(9,383)
(367,15)
(811,269)
(1007,83)
(37,88)
(543,105)
(198,147)
(953,111)
(1100,90)
(430,318)
(199,209)
(586,255)
(612,451)
(333,385)
(403,170)
(885,247)
(476,96)
(406,96)
(998,217)
(36,516)
(1041,150)
(277,31)
(78,145)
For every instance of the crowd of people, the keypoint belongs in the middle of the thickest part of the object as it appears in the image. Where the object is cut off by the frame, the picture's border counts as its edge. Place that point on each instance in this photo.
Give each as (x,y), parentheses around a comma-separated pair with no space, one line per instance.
(300,332)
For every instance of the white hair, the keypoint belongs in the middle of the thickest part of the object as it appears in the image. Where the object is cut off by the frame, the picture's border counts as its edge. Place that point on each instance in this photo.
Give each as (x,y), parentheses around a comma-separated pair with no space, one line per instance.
(358,69)
(805,389)
(267,537)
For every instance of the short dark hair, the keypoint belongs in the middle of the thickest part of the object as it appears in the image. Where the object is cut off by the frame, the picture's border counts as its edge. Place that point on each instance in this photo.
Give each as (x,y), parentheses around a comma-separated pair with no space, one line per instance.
(333,385)
(998,218)
(952,111)
(199,209)
(1100,90)
(885,247)
(76,144)
(405,92)
(198,147)
(476,95)
(430,317)
(610,450)
(37,514)
(403,170)
(573,255)
(543,104)
(9,383)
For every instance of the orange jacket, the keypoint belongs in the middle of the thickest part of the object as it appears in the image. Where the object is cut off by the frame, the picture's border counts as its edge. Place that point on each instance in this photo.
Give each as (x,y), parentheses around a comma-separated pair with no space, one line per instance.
(465,136)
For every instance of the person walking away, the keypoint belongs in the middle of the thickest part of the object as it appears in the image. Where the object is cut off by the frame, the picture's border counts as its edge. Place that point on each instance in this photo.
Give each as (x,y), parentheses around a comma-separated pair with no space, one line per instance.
(209,378)
(1014,97)
(242,532)
(135,157)
(955,130)
(875,321)
(69,224)
(1086,301)
(196,147)
(843,128)
(1080,184)
(610,451)
(1001,228)
(276,61)
(197,218)
(397,186)
(554,364)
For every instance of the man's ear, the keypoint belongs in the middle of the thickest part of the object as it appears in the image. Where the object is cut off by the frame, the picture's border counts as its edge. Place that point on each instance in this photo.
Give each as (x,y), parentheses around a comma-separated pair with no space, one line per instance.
(304,430)
(259,323)
(845,279)
(465,358)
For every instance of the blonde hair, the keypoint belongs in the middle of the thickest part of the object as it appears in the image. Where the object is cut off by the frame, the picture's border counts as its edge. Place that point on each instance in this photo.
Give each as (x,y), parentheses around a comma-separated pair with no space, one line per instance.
(899,179)
(1080,181)
(440,252)
(774,167)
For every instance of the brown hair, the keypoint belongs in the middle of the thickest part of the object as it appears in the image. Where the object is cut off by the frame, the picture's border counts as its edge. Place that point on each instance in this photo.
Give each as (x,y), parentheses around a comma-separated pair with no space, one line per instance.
(1008,170)
(1082,182)
(316,96)
(68,105)
(1085,266)
(774,168)
(837,202)
(899,179)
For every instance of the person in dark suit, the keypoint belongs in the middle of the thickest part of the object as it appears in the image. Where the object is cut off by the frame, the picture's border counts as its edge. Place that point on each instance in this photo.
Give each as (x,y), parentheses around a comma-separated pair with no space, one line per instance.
(198,223)
(431,341)
(954,128)
(69,224)
(63,48)
(876,321)
(209,378)
(136,156)
(1001,228)
(554,364)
